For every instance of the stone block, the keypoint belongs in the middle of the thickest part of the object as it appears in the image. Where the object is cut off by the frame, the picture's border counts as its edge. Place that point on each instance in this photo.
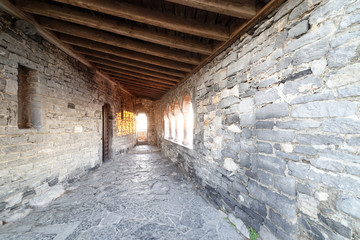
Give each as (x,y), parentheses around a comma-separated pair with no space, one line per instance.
(264,147)
(287,156)
(313,97)
(246,105)
(353,141)
(342,125)
(325,109)
(45,198)
(311,52)
(342,56)
(272,164)
(327,164)
(275,136)
(308,205)
(240,65)
(349,205)
(285,184)
(247,120)
(266,96)
(286,8)
(227,102)
(344,76)
(308,150)
(265,177)
(319,139)
(336,226)
(276,110)
(298,11)
(299,170)
(239,225)
(264,125)
(283,63)
(299,29)
(289,228)
(298,124)
(308,84)
(349,91)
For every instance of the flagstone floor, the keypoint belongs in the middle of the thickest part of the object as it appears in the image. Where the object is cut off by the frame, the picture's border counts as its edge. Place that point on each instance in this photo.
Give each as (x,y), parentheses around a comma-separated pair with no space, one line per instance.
(141,195)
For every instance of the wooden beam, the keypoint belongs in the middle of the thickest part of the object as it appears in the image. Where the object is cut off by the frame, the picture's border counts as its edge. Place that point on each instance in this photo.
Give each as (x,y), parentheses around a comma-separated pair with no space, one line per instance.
(152,17)
(118,41)
(14,11)
(266,10)
(159,87)
(106,76)
(129,62)
(239,9)
(126,83)
(133,69)
(145,90)
(110,25)
(134,74)
(125,53)
(136,79)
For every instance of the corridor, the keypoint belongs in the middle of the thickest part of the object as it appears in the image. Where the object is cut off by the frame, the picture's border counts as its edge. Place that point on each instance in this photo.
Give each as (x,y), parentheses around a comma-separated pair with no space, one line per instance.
(141,195)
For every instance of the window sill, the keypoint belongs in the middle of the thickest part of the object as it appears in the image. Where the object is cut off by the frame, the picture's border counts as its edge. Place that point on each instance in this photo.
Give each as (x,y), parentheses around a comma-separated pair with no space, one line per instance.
(180,144)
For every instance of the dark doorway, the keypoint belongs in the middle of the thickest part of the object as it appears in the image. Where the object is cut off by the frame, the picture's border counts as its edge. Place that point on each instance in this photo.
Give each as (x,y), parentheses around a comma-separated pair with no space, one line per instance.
(105,132)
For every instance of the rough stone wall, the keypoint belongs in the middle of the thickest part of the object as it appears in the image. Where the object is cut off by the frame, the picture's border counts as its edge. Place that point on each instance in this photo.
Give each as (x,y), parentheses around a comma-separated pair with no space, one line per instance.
(147,106)
(277,131)
(34,164)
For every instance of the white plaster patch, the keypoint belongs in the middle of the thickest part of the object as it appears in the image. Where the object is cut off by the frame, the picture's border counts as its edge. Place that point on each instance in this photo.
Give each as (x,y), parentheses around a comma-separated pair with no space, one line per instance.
(78,129)
(322,196)
(287,147)
(318,67)
(234,128)
(11,87)
(230,165)
(308,205)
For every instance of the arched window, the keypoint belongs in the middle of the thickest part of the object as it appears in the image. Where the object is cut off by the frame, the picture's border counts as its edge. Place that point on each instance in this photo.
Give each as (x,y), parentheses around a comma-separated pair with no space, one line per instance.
(166,124)
(188,120)
(179,121)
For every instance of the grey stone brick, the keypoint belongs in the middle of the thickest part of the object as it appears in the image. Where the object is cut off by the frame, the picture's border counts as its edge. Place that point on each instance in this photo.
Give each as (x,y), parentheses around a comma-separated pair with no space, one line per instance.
(281,39)
(307,188)
(354,141)
(299,29)
(313,97)
(298,11)
(327,164)
(318,139)
(266,96)
(265,177)
(285,184)
(311,52)
(259,207)
(231,119)
(342,56)
(275,136)
(302,86)
(245,159)
(342,125)
(262,67)
(227,102)
(288,227)
(299,170)
(283,63)
(349,205)
(247,120)
(349,74)
(239,65)
(334,154)
(264,125)
(298,124)
(297,75)
(275,110)
(336,226)
(264,147)
(344,37)
(308,150)
(349,92)
(287,156)
(278,202)
(286,8)
(268,82)
(350,19)
(272,164)
(325,109)
(246,133)
(353,170)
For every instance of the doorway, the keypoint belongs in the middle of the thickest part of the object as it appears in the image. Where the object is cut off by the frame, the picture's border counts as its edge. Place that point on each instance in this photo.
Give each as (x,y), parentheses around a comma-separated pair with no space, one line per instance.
(141,128)
(105,131)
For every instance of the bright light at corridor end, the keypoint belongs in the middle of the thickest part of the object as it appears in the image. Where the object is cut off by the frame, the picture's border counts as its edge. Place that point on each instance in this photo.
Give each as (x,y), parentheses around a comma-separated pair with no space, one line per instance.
(141,122)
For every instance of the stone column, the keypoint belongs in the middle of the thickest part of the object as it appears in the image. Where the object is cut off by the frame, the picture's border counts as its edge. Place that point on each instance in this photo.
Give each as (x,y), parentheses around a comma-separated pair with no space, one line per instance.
(186,130)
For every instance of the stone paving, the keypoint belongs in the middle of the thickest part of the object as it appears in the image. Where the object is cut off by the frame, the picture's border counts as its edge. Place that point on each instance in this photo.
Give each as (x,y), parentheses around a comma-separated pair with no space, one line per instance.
(139,196)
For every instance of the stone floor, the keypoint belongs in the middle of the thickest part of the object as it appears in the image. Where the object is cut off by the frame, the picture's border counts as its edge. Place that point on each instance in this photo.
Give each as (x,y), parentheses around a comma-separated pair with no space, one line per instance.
(139,196)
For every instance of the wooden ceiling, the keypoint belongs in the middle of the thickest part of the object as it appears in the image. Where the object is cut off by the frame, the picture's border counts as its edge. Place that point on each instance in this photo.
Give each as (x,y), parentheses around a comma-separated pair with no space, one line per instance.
(148,46)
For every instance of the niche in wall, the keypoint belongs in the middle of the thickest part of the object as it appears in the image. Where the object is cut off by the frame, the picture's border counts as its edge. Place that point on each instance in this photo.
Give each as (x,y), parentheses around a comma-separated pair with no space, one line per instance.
(29,100)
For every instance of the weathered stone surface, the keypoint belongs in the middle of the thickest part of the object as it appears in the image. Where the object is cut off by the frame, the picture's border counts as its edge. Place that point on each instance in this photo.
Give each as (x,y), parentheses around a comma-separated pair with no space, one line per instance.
(272,164)
(47,197)
(264,124)
(275,110)
(230,165)
(349,205)
(349,91)
(301,86)
(342,55)
(336,226)
(327,164)
(308,205)
(275,136)
(266,96)
(299,29)
(308,150)
(325,109)
(298,124)
(311,52)
(313,97)
(318,139)
(227,102)
(346,75)
(342,125)
(264,147)
(285,184)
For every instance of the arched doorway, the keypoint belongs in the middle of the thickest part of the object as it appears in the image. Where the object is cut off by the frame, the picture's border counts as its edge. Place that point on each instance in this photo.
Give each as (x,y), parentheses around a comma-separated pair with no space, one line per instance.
(141,128)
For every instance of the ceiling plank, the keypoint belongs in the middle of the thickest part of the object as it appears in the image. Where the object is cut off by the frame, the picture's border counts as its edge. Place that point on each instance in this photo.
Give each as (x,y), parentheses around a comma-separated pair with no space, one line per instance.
(133,69)
(137,79)
(152,17)
(129,62)
(140,83)
(114,26)
(118,41)
(145,90)
(134,74)
(125,53)
(125,82)
(238,9)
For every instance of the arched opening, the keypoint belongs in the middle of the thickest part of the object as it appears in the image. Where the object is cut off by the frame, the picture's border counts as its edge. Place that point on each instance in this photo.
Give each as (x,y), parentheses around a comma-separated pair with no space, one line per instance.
(166,125)
(141,128)
(188,121)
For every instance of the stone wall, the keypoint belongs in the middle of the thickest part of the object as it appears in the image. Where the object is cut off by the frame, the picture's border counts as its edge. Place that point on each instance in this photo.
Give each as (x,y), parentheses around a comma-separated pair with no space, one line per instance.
(277,129)
(66,142)
(147,106)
